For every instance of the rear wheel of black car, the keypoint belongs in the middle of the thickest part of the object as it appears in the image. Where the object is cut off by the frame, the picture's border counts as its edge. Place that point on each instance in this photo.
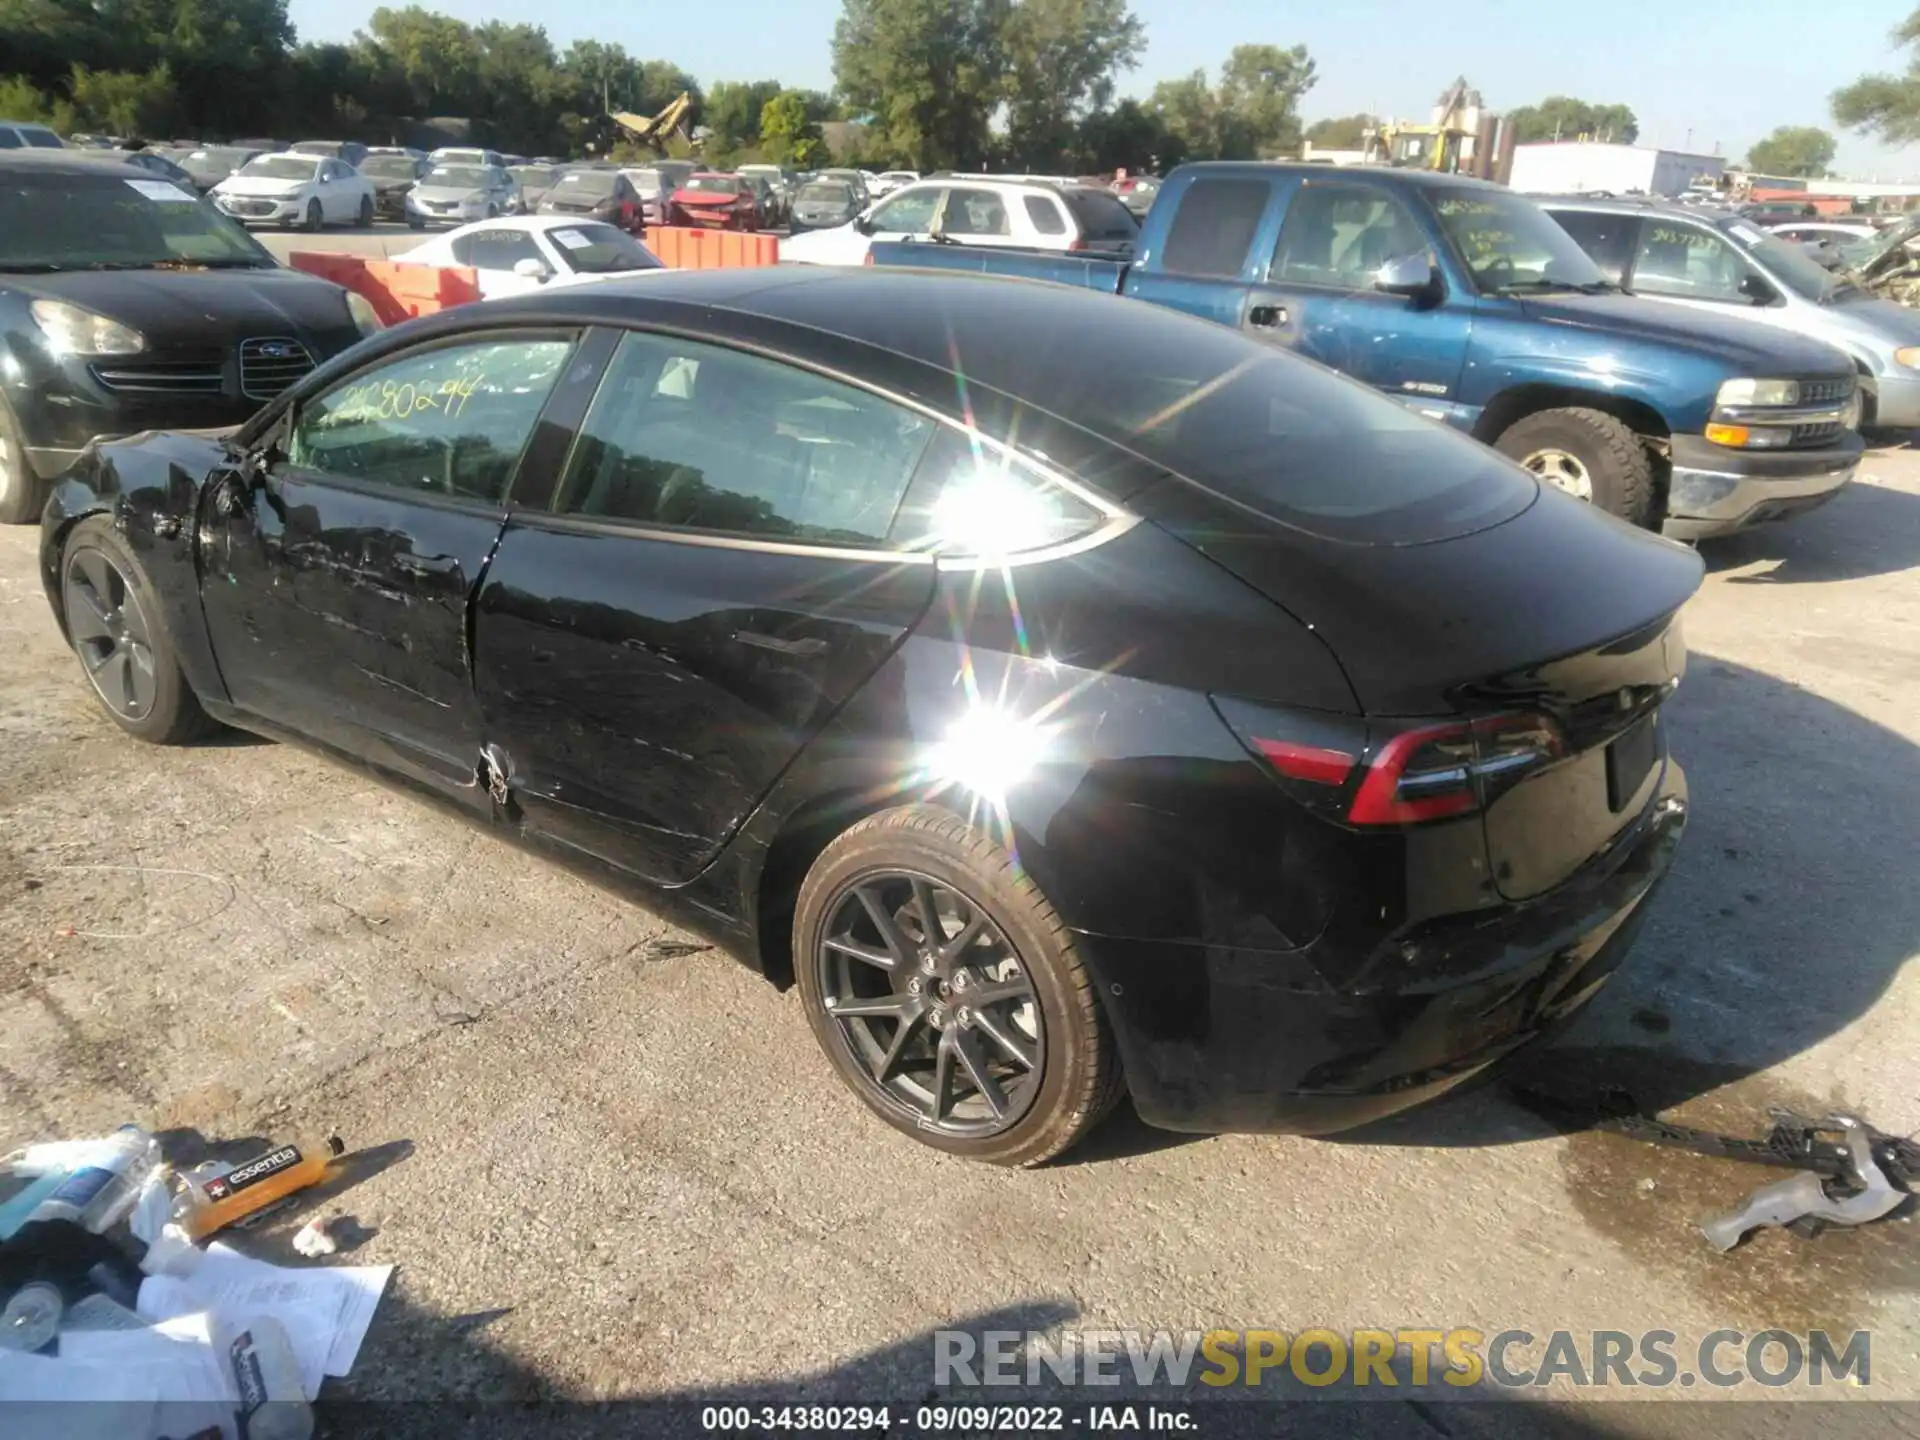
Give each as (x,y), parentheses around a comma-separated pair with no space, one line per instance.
(22,494)
(366,212)
(948,993)
(1589,455)
(113,624)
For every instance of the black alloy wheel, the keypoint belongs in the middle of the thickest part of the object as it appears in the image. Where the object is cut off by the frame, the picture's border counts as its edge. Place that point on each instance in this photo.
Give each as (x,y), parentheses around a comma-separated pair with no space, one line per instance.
(933,1002)
(109,630)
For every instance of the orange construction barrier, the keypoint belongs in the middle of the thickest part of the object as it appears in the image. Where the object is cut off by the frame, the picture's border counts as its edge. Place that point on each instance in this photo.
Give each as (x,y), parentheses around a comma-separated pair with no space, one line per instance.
(682,247)
(396,290)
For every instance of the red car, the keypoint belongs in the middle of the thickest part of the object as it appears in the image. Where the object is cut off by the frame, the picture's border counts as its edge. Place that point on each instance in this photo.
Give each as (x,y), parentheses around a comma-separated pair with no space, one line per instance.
(716,202)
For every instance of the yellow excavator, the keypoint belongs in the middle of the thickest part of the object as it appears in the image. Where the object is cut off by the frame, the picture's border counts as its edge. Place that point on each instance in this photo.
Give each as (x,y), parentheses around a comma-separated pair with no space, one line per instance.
(654,132)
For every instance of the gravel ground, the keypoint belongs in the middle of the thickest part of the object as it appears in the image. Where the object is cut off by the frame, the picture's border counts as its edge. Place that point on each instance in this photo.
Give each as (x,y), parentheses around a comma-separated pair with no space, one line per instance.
(611,1165)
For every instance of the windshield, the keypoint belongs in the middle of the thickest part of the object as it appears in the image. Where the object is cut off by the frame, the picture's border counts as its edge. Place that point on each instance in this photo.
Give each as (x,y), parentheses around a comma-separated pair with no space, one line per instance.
(647,182)
(1862,253)
(538,176)
(587,182)
(602,250)
(471,177)
(1785,260)
(457,157)
(1512,244)
(214,158)
(281,167)
(714,184)
(830,192)
(77,222)
(387,167)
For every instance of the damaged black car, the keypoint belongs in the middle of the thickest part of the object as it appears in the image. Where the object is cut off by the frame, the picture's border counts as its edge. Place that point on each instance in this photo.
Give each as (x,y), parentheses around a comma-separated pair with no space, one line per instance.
(1071,698)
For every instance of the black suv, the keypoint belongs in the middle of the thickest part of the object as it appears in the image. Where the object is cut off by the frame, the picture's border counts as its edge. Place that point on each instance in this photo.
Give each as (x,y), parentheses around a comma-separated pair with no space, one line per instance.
(127,304)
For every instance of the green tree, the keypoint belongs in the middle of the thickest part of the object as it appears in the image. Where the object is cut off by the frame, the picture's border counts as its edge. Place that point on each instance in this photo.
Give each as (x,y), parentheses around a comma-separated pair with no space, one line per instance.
(21,99)
(1187,111)
(121,103)
(928,72)
(732,112)
(1882,104)
(1129,137)
(1260,90)
(1793,150)
(790,131)
(1561,117)
(1341,132)
(437,56)
(1062,60)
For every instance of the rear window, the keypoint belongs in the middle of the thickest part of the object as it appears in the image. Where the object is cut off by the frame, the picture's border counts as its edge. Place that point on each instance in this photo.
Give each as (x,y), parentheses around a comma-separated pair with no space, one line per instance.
(587,182)
(1102,217)
(1214,228)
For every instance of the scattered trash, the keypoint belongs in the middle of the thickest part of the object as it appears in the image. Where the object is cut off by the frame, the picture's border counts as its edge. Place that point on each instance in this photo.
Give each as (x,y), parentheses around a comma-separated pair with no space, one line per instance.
(314,1239)
(104,1296)
(214,1198)
(1805,1196)
(1860,1177)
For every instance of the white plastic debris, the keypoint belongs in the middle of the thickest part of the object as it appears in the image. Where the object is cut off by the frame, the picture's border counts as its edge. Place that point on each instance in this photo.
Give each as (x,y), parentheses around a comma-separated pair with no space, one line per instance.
(314,1238)
(172,1252)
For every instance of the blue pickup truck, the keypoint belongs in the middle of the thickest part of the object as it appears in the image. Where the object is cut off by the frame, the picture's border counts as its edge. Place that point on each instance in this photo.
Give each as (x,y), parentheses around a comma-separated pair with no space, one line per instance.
(1467,302)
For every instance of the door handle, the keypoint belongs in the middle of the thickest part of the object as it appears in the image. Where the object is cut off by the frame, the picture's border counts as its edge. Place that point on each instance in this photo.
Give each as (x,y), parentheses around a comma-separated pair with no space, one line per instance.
(1267,317)
(427,566)
(802,649)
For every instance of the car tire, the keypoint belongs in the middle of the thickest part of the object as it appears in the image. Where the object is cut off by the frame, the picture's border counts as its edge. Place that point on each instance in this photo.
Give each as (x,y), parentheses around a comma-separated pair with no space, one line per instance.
(365,220)
(100,578)
(414,223)
(1588,454)
(493,212)
(1023,950)
(316,218)
(23,494)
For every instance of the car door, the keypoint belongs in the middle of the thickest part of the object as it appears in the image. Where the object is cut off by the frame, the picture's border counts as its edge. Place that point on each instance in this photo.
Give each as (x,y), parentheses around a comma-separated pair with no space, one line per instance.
(1319,297)
(709,588)
(337,572)
(493,251)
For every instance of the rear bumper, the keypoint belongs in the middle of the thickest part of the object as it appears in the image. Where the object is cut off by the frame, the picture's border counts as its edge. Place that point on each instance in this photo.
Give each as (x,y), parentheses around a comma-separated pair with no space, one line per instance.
(1216,1039)
(1716,491)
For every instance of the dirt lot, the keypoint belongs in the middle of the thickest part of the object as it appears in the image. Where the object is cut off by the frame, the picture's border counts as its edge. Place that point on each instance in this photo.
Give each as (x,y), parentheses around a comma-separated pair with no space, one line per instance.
(616,1166)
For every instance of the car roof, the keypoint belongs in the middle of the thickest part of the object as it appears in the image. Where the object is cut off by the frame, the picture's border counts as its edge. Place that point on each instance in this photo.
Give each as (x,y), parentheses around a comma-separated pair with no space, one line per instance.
(1268,169)
(1639,204)
(71,161)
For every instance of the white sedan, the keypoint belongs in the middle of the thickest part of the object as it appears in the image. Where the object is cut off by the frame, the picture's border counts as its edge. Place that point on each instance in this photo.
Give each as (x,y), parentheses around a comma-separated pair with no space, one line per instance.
(520,254)
(310,191)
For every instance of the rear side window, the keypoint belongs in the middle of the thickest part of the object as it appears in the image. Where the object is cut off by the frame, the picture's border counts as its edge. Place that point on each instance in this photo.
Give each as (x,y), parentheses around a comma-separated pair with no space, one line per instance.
(1339,235)
(1045,215)
(1101,216)
(972,500)
(40,139)
(1214,228)
(1608,239)
(975,212)
(701,438)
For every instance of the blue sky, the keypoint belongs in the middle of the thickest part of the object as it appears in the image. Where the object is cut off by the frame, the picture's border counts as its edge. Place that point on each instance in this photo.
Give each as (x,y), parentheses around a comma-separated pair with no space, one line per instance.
(1725,73)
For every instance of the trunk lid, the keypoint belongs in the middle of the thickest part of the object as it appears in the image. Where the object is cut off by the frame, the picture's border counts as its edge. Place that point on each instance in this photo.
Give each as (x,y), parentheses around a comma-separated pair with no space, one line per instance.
(1559,611)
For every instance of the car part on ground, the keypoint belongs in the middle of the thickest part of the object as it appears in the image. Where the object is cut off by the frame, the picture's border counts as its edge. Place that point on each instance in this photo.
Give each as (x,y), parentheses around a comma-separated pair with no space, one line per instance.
(1315,798)
(1785,1203)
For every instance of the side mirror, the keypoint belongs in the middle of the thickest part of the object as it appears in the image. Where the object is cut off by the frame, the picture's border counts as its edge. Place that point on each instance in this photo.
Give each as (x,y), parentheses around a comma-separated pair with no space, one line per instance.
(864,224)
(1758,289)
(1414,276)
(530,268)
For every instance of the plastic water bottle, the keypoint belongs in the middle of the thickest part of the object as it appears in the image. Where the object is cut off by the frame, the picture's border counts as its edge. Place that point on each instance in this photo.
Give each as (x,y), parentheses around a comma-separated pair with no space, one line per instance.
(32,1317)
(273,1403)
(100,1188)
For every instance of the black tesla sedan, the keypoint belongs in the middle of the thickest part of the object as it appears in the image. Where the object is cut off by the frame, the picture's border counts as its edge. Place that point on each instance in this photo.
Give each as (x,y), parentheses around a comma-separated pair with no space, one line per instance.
(1070,696)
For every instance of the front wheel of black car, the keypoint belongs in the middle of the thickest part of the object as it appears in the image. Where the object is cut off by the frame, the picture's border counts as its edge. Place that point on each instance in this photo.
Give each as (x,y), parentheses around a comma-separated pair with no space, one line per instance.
(1589,455)
(21,492)
(113,624)
(948,993)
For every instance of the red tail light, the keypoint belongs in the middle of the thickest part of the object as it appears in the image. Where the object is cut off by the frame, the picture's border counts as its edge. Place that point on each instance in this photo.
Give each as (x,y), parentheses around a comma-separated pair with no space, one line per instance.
(1440,771)
(867,259)
(1078,244)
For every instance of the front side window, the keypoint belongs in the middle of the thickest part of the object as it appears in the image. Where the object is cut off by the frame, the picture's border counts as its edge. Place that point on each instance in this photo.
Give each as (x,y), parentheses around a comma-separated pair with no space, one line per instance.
(975,212)
(1339,235)
(9,139)
(449,422)
(908,214)
(700,438)
(1689,262)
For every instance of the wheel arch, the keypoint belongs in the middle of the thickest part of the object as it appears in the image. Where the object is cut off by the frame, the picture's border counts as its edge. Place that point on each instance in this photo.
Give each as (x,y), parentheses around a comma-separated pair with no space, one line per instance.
(1517,403)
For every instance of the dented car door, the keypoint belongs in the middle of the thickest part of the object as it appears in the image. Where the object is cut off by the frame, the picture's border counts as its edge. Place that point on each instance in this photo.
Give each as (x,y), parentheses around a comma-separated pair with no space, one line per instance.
(338,570)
